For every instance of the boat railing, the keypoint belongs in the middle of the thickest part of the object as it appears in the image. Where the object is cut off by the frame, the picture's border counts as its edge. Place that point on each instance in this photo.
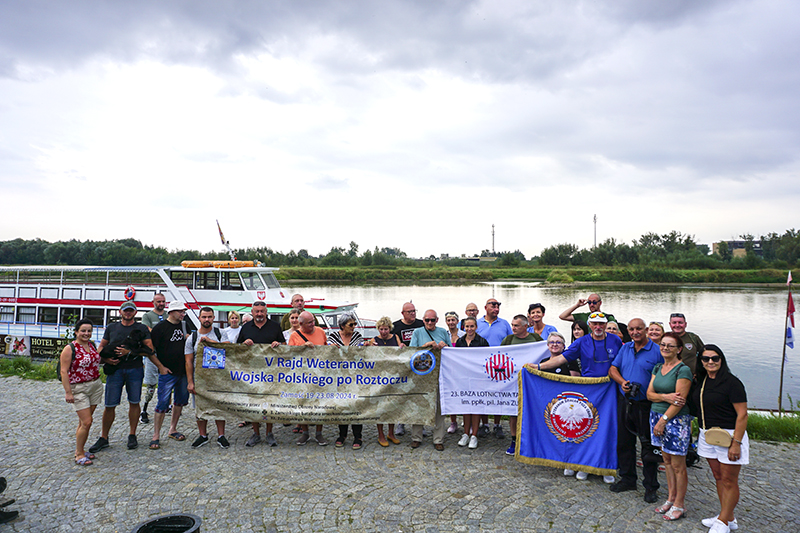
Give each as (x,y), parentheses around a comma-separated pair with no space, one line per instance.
(35,329)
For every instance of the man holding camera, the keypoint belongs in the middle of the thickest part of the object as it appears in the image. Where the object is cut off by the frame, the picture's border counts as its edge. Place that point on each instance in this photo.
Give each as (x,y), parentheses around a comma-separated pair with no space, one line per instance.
(632,369)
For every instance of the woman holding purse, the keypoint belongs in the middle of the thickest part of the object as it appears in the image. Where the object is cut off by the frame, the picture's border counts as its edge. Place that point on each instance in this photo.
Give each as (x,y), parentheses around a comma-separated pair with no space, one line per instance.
(722,402)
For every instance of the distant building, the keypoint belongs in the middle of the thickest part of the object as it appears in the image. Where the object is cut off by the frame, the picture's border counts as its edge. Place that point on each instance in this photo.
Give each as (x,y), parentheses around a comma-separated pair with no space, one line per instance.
(737,248)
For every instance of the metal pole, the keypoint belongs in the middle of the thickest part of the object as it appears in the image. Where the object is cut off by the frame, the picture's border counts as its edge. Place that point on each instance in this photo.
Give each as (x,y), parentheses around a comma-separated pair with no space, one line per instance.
(595,230)
(783,357)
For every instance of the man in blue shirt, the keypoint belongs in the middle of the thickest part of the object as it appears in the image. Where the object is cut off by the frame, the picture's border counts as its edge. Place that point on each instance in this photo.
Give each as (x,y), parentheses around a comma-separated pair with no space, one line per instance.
(633,366)
(430,336)
(494,329)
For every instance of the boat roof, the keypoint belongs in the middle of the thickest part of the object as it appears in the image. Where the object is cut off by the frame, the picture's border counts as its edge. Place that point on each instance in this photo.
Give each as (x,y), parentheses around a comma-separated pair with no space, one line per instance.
(74,268)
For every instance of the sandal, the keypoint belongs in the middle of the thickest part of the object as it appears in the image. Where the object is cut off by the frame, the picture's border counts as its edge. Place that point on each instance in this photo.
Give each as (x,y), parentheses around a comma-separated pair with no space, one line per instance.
(244,424)
(357,444)
(177,436)
(155,444)
(89,455)
(664,508)
(297,429)
(670,515)
(339,443)
(83,461)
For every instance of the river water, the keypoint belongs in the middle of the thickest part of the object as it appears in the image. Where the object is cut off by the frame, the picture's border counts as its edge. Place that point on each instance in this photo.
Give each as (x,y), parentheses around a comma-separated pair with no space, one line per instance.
(747,323)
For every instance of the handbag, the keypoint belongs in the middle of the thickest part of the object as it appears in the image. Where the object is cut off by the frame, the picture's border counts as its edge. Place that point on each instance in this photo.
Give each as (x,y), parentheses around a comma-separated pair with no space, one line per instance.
(715,436)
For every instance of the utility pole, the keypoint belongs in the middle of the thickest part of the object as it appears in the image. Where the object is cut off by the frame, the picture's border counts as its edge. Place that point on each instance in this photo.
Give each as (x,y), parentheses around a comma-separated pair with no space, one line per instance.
(493,240)
(595,230)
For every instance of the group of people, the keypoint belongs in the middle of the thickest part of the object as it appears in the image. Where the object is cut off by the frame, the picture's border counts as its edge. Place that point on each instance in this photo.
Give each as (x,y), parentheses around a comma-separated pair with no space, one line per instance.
(661,384)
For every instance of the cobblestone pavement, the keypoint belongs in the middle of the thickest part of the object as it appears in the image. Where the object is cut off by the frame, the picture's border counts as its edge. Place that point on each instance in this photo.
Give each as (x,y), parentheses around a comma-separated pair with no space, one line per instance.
(314,488)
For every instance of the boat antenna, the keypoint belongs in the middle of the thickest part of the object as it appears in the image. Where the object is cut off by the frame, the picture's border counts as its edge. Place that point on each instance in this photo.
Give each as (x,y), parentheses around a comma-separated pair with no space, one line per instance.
(225,243)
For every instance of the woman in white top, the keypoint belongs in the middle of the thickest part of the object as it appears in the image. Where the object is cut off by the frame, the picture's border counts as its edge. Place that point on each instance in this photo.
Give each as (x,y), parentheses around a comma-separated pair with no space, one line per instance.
(231,333)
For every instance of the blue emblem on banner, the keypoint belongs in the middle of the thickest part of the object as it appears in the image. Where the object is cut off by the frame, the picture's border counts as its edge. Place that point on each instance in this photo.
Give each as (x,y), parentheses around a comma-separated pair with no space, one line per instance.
(423,362)
(213,357)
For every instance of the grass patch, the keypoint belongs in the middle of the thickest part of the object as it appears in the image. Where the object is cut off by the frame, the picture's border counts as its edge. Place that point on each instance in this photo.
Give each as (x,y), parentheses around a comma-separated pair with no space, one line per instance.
(25,368)
(559,276)
(784,428)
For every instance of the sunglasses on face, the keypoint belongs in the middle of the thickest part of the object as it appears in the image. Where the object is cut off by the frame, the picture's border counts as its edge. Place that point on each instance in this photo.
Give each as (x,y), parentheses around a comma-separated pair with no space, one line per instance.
(593,302)
(706,359)
(429,320)
(494,304)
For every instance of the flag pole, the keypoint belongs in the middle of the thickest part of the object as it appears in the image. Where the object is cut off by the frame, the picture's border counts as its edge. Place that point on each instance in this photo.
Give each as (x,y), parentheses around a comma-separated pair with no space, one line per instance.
(783,358)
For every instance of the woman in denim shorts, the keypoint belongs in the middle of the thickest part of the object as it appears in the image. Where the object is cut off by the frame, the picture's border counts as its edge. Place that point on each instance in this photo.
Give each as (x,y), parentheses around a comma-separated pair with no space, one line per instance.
(670,421)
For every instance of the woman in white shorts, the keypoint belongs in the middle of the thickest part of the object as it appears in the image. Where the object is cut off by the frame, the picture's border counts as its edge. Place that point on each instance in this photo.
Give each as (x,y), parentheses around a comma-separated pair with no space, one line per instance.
(80,376)
(722,402)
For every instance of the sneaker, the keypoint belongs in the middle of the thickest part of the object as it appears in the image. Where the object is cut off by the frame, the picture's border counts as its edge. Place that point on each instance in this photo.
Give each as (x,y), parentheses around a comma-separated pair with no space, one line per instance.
(223,443)
(453,427)
(271,440)
(568,472)
(464,440)
(320,439)
(473,442)
(400,430)
(253,440)
(650,496)
(512,450)
(132,442)
(608,479)
(145,418)
(708,522)
(304,438)
(582,476)
(484,431)
(719,527)
(498,431)
(201,440)
(99,445)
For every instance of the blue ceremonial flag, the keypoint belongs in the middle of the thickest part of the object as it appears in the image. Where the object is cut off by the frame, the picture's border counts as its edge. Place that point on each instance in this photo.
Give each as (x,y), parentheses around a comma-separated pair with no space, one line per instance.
(567,422)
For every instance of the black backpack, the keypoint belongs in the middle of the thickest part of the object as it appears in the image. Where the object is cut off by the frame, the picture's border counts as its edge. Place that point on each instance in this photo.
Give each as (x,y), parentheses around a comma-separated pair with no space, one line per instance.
(58,363)
(217,332)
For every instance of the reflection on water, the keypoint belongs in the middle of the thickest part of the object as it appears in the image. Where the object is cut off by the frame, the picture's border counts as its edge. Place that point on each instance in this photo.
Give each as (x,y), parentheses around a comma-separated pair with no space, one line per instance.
(747,323)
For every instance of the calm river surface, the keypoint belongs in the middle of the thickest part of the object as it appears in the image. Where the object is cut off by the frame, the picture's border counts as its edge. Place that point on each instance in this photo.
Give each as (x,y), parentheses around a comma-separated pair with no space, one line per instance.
(747,323)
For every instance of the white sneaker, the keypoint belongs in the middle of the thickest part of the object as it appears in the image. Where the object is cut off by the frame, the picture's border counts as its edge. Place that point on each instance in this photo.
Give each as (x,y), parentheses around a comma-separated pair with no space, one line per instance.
(708,522)
(568,472)
(608,479)
(473,442)
(464,440)
(719,527)
(582,476)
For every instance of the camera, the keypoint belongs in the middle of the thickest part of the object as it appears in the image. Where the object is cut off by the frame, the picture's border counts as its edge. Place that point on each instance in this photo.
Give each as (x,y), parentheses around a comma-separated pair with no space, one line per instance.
(635,388)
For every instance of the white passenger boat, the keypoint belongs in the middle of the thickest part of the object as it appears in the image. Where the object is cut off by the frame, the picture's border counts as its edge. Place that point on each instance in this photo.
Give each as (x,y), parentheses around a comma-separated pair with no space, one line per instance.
(38,303)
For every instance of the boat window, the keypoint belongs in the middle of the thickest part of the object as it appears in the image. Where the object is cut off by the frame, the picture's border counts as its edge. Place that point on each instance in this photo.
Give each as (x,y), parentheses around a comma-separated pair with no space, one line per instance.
(231,281)
(206,280)
(252,281)
(27,292)
(71,294)
(70,315)
(6,314)
(26,315)
(95,294)
(116,295)
(6,292)
(48,293)
(271,280)
(48,315)
(182,278)
(95,315)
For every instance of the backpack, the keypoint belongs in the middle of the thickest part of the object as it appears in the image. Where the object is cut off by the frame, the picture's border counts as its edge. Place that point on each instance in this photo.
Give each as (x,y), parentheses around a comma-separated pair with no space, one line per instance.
(217,332)
(58,363)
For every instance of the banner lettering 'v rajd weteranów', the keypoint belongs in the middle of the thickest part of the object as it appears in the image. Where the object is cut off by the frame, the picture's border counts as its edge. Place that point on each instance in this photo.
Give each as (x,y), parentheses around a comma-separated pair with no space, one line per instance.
(317,385)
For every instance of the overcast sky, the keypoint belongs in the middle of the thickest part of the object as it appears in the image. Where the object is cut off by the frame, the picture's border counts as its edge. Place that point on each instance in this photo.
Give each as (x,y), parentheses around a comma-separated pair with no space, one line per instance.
(415,125)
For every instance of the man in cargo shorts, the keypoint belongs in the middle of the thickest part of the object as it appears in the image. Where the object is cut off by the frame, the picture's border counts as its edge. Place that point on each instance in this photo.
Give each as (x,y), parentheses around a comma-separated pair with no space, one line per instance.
(150,319)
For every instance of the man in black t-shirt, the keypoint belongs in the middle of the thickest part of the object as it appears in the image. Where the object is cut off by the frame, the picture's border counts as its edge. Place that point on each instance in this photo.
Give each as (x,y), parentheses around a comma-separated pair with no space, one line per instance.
(261,330)
(123,370)
(169,340)
(405,327)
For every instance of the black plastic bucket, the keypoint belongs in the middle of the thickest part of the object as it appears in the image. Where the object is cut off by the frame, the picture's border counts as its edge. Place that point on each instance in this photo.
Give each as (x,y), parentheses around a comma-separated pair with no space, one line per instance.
(171,523)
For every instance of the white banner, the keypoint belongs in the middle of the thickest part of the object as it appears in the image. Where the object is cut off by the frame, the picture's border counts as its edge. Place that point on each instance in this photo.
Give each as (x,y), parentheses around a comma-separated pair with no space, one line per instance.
(483,381)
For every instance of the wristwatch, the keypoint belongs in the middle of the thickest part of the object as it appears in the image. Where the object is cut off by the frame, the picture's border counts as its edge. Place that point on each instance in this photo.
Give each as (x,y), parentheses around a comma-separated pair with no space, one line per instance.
(665,418)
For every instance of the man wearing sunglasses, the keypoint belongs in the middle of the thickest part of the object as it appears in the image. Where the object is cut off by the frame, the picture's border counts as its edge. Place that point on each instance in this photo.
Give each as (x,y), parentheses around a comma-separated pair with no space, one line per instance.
(594,302)
(692,344)
(430,336)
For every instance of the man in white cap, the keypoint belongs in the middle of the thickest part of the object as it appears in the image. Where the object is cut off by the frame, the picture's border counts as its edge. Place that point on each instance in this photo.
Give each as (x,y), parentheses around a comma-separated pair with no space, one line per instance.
(596,353)
(169,341)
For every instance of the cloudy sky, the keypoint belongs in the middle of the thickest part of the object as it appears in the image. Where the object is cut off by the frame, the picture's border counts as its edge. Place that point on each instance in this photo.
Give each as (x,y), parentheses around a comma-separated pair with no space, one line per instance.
(415,125)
